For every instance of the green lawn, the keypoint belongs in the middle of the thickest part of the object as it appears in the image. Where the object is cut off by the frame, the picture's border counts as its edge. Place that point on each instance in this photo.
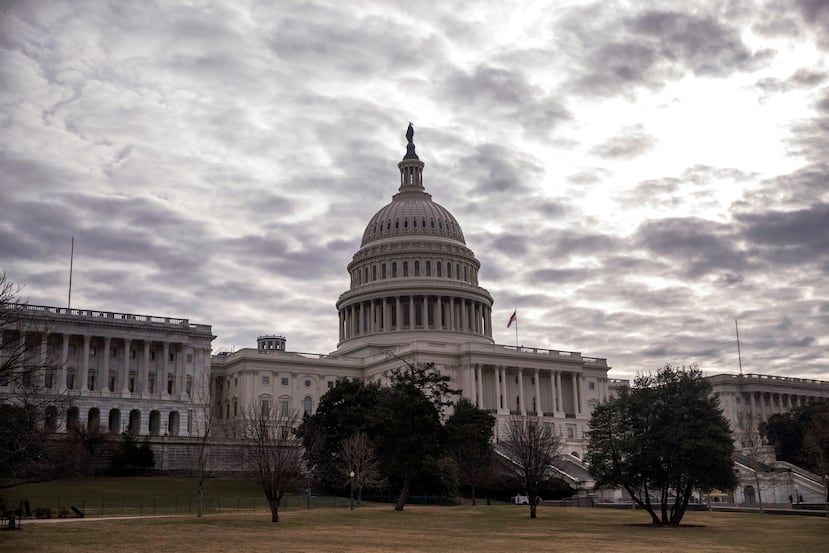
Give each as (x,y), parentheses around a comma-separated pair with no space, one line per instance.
(331,526)
(147,496)
(428,529)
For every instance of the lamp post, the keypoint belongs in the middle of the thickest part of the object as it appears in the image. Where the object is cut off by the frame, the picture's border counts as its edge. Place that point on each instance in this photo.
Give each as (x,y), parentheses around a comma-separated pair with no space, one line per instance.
(351,479)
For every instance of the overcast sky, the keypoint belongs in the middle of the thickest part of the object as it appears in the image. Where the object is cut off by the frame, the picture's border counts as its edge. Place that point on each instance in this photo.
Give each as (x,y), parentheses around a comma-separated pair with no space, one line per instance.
(632,177)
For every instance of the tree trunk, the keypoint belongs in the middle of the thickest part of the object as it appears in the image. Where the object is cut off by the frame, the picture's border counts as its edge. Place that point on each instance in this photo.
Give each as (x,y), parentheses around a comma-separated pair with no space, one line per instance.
(200,508)
(473,496)
(532,507)
(274,505)
(404,494)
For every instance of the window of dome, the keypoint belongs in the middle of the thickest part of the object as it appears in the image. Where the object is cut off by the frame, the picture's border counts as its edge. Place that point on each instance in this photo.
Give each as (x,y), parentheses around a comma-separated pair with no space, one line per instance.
(405,223)
(383,270)
(366,275)
(414,223)
(457,271)
(374,272)
(433,223)
(464,273)
(424,222)
(437,268)
(428,268)
(394,269)
(448,270)
(396,224)
(440,224)
(405,268)
(388,225)
(417,268)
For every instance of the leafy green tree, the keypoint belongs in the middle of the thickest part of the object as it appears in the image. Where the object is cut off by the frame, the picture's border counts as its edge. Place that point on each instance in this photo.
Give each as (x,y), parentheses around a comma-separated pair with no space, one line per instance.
(787,432)
(661,440)
(407,433)
(469,443)
(347,408)
(801,437)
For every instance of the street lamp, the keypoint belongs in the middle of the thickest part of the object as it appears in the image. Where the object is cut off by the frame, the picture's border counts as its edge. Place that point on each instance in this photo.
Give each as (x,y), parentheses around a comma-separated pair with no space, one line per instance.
(351,478)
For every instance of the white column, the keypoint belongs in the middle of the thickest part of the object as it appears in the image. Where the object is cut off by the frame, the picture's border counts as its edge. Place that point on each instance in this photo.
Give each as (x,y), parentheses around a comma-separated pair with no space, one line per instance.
(523,407)
(398,313)
(411,312)
(165,355)
(104,376)
(583,393)
(553,392)
(64,360)
(41,380)
(574,380)
(83,374)
(125,370)
(180,370)
(503,402)
(145,370)
(479,379)
(559,396)
(439,313)
(538,410)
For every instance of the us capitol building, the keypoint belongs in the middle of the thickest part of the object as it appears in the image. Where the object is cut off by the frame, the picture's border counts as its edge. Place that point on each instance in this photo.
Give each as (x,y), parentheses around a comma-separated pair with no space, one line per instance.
(413,298)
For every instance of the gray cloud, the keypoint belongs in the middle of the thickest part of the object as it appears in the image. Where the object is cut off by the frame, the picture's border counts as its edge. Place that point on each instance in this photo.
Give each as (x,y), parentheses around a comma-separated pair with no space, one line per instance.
(628,143)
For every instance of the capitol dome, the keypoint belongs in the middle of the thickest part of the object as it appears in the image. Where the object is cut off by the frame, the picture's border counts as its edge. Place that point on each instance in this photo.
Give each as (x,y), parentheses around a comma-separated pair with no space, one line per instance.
(413,277)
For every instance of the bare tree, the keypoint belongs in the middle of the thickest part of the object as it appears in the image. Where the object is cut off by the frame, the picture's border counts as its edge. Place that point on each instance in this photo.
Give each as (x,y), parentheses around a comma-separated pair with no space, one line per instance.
(202,426)
(30,403)
(751,447)
(360,458)
(531,448)
(274,455)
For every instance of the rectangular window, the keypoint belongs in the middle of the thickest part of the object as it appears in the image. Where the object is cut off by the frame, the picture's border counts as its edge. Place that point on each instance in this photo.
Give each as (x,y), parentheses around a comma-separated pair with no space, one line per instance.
(266,380)
(284,407)
(189,421)
(172,356)
(71,350)
(235,408)
(394,270)
(571,432)
(284,381)
(438,269)
(152,383)
(114,352)
(170,384)
(189,385)
(591,385)
(417,268)
(266,409)
(330,384)
(383,270)
(428,268)
(92,351)
(152,355)
(70,381)
(132,354)
(405,268)
(132,384)
(189,357)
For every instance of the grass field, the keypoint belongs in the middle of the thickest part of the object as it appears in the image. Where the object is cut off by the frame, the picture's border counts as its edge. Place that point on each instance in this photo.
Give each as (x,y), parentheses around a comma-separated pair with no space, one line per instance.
(427,529)
(331,526)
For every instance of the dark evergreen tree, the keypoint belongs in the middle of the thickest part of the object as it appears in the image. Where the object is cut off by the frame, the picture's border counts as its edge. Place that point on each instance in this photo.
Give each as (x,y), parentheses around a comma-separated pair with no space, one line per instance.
(661,440)
(469,443)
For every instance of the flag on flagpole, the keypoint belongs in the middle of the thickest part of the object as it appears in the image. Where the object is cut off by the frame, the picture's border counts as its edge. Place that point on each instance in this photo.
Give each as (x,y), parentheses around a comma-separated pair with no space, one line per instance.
(513,318)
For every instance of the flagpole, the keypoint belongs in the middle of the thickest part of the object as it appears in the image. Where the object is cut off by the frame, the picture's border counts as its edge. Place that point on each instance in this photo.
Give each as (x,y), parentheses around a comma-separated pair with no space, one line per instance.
(71,260)
(516,328)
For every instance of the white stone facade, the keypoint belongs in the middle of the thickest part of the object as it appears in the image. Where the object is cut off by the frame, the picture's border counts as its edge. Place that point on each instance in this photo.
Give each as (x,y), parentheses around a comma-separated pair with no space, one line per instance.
(749,400)
(138,373)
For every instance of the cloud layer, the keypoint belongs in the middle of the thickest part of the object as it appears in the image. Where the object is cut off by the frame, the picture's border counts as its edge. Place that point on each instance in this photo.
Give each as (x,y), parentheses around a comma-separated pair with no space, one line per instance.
(633,179)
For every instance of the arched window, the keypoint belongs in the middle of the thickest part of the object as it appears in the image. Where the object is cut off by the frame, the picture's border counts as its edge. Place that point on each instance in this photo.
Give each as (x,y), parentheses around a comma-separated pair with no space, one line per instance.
(134,426)
(383,270)
(173,423)
(457,271)
(438,269)
(374,272)
(417,268)
(365,280)
(114,421)
(306,405)
(465,274)
(394,269)
(428,268)
(155,423)
(405,268)
(405,223)
(448,270)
